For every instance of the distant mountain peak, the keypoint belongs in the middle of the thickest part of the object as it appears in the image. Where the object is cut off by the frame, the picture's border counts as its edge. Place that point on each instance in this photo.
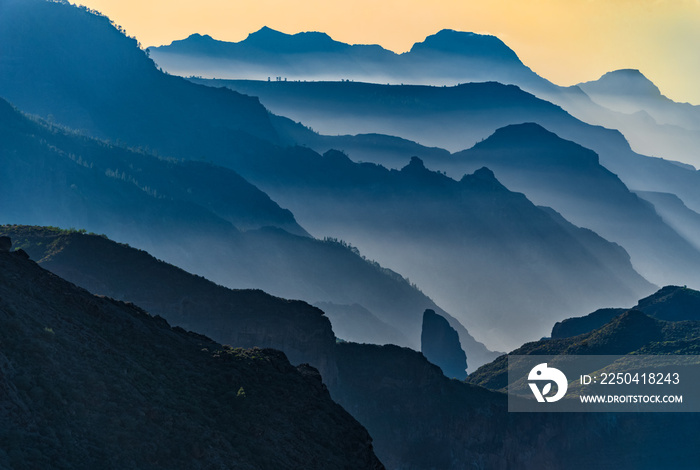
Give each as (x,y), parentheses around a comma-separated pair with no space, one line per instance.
(624,82)
(416,163)
(466,44)
(485,174)
(266,33)
(199,37)
(272,40)
(542,145)
(483,178)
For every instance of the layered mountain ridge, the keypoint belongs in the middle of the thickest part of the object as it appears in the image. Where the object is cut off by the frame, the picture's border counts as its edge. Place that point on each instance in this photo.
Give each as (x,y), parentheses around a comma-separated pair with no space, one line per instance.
(88,380)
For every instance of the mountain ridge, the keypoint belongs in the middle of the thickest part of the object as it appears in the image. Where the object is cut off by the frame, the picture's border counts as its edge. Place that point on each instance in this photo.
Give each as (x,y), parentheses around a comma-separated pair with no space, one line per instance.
(88,380)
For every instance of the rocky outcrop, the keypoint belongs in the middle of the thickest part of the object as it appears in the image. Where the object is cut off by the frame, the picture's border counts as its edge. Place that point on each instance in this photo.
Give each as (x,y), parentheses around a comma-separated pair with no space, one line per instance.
(440,345)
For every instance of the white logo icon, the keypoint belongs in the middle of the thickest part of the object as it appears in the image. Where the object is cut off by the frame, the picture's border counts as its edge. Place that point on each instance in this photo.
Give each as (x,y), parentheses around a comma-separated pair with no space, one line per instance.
(543,373)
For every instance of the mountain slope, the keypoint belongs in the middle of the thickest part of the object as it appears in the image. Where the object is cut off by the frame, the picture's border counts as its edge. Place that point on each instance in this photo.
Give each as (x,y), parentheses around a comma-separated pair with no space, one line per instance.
(622,99)
(454,118)
(244,318)
(422,420)
(34,152)
(465,242)
(671,303)
(653,124)
(77,69)
(629,91)
(290,274)
(569,178)
(89,380)
(182,212)
(631,332)
(676,214)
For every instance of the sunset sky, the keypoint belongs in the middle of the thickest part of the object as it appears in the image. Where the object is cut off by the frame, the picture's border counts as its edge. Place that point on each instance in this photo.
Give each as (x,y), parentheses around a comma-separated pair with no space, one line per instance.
(566,41)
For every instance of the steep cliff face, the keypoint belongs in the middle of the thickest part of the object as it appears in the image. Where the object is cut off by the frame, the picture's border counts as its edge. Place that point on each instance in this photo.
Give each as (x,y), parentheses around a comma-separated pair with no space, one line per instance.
(440,345)
(242,318)
(89,380)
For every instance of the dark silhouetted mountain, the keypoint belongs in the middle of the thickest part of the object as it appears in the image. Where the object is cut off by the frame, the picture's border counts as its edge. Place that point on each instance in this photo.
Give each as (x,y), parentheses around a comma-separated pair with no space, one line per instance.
(420,419)
(88,381)
(629,332)
(439,343)
(568,177)
(271,41)
(671,303)
(676,214)
(580,325)
(72,66)
(244,318)
(460,43)
(183,212)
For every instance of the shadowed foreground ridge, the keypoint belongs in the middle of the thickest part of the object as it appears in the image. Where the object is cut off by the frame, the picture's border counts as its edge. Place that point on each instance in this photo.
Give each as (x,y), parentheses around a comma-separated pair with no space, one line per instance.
(242,317)
(86,380)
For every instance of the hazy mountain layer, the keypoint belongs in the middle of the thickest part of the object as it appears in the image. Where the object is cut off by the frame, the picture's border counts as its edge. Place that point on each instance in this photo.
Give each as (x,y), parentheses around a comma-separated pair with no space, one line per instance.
(289,275)
(80,174)
(447,57)
(569,178)
(481,250)
(357,324)
(676,214)
(453,118)
(629,91)
(623,99)
(52,177)
(90,381)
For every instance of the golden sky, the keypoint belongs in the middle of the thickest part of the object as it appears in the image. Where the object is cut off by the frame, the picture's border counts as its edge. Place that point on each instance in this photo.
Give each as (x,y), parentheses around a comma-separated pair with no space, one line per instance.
(566,41)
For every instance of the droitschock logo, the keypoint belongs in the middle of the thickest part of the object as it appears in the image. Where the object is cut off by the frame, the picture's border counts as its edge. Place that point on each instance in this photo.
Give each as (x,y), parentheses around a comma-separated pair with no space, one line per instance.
(542,373)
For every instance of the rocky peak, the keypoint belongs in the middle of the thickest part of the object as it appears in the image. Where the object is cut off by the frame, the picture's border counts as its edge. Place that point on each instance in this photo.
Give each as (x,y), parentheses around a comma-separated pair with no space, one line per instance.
(440,345)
